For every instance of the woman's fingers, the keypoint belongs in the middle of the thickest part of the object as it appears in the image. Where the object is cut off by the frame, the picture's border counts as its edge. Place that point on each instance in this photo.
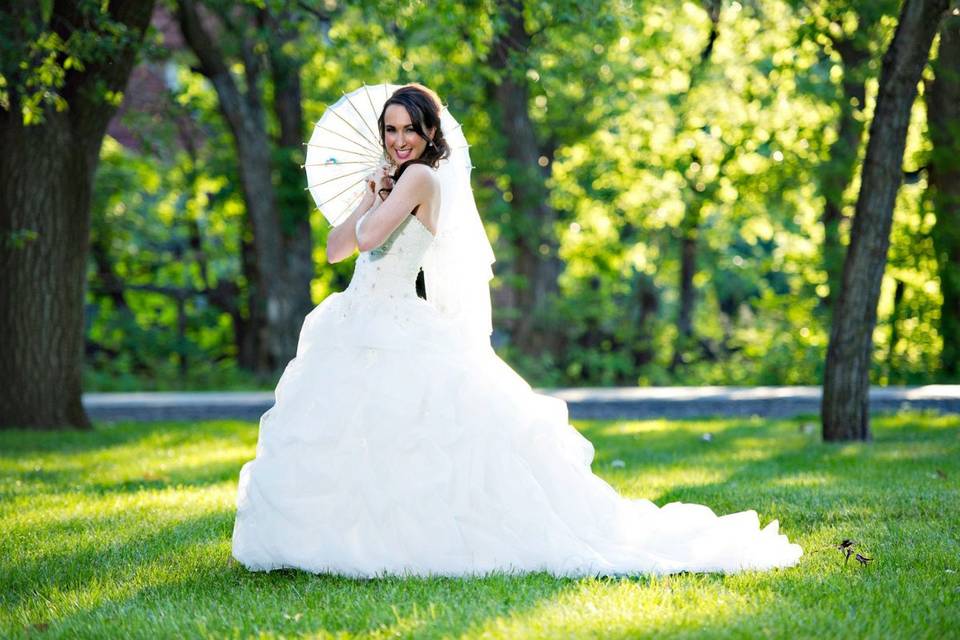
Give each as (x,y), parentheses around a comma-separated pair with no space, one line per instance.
(373,179)
(379,179)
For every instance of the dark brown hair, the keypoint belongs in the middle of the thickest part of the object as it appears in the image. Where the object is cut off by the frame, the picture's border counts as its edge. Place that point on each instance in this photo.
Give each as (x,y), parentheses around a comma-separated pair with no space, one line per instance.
(423,106)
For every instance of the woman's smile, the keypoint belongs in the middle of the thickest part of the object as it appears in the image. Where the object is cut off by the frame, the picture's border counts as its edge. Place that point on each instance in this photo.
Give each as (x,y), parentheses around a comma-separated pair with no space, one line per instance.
(400,137)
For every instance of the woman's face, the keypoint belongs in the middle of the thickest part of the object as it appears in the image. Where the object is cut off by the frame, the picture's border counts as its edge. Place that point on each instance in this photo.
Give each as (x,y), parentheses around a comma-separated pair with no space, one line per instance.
(403,143)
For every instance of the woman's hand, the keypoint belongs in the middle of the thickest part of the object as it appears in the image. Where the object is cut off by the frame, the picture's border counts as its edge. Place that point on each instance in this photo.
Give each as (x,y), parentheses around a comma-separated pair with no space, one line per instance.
(377,179)
(386,180)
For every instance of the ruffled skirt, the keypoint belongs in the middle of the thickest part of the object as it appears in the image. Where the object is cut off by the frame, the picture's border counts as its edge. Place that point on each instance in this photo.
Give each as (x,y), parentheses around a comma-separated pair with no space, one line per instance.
(394,449)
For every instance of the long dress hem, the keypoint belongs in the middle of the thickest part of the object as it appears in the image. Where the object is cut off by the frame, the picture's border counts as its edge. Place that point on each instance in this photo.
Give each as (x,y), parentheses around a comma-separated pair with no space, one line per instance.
(394,448)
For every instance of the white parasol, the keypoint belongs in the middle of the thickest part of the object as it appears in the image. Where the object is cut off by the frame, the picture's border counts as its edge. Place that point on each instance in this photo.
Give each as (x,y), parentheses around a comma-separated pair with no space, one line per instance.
(345,147)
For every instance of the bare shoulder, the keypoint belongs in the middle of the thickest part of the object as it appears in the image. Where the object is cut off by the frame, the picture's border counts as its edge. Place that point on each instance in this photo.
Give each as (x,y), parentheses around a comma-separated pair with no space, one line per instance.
(422,176)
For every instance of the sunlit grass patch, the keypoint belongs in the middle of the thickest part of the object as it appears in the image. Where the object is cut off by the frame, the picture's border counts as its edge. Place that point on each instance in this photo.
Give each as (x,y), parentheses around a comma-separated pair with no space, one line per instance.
(125,531)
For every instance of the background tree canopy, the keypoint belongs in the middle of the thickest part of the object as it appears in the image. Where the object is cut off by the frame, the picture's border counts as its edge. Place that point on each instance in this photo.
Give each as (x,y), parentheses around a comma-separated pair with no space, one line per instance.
(668,186)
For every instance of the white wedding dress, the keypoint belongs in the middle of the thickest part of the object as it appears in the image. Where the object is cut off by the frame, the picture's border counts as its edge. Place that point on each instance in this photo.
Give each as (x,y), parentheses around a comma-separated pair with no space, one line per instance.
(393,448)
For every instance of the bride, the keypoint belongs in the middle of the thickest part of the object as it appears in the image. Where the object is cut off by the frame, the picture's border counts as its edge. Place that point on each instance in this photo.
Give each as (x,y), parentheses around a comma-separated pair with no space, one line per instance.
(400,443)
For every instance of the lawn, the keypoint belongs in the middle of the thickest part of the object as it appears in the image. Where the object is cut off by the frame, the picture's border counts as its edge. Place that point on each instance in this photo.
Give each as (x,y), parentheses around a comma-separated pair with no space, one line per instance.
(125,532)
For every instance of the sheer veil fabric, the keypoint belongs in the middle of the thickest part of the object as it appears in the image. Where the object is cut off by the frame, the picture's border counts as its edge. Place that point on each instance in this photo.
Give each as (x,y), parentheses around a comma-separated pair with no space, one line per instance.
(401,444)
(457,267)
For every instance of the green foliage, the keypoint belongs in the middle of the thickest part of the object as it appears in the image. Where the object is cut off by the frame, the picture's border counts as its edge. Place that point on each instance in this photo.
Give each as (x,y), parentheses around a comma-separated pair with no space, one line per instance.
(36,55)
(147,221)
(641,146)
(742,149)
(125,531)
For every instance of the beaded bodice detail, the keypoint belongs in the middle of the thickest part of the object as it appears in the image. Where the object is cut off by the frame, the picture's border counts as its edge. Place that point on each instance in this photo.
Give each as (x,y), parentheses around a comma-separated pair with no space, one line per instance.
(390,270)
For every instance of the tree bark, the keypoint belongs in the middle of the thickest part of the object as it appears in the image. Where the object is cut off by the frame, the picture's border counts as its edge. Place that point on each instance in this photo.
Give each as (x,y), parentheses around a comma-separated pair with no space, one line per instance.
(46,181)
(227,295)
(293,200)
(689,232)
(845,404)
(689,228)
(283,283)
(839,169)
(535,242)
(250,330)
(943,120)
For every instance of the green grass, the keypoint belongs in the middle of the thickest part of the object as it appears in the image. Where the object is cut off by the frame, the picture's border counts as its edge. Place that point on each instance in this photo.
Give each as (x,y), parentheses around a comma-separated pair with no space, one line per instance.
(125,532)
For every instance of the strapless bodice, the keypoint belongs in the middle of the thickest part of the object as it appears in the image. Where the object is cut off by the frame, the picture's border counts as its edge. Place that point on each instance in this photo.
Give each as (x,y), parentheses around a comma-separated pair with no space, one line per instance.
(390,270)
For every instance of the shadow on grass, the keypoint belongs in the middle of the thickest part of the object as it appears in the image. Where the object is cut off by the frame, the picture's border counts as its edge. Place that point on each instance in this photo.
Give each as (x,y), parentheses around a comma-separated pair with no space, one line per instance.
(84,550)
(106,435)
(177,580)
(99,554)
(791,475)
(288,602)
(124,457)
(172,577)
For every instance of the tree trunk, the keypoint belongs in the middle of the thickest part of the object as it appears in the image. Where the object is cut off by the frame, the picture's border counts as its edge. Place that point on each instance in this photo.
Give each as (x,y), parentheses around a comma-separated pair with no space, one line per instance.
(250,331)
(294,201)
(843,157)
(689,228)
(943,119)
(284,291)
(46,181)
(845,405)
(535,242)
